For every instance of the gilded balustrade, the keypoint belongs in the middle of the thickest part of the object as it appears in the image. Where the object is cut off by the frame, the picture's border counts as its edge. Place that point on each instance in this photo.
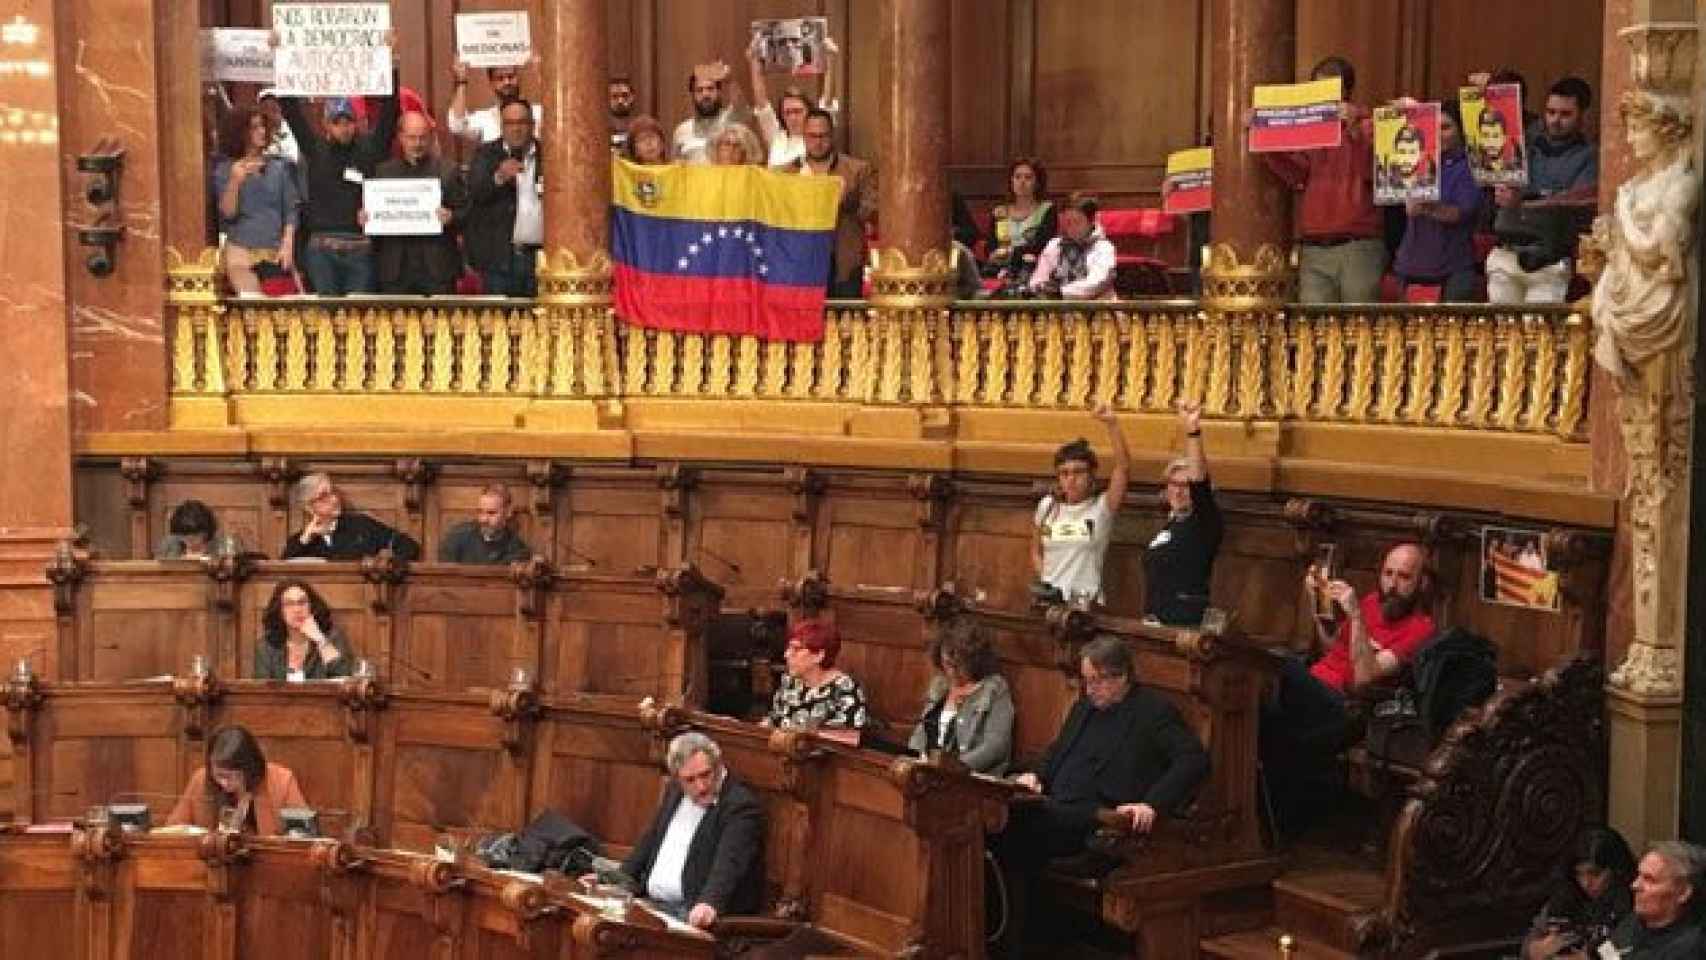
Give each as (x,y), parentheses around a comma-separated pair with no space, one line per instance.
(1475,367)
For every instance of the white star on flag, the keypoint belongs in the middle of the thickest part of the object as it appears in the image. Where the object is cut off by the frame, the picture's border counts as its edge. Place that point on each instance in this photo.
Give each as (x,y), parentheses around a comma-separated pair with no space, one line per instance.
(707,245)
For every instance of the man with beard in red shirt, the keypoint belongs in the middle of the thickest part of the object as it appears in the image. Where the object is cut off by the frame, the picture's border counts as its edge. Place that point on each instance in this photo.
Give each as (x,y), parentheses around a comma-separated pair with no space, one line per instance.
(1303,726)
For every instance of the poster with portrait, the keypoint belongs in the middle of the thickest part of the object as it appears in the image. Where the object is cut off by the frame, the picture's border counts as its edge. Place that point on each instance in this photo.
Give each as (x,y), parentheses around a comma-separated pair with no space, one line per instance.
(1493,134)
(1516,570)
(1189,184)
(1406,154)
(793,46)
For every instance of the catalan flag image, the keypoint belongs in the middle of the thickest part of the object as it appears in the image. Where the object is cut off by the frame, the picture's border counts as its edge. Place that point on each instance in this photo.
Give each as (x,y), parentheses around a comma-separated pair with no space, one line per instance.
(722,249)
(1515,570)
(1295,116)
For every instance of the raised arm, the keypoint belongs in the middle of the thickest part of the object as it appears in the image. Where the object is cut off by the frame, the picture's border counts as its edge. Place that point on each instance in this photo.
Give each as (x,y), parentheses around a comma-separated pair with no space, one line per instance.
(769,125)
(456,115)
(1120,476)
(827,95)
(1190,418)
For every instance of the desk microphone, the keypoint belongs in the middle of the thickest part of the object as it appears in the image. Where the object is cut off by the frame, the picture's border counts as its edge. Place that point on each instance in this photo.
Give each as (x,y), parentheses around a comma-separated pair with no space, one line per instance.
(725,561)
(577,555)
(414,668)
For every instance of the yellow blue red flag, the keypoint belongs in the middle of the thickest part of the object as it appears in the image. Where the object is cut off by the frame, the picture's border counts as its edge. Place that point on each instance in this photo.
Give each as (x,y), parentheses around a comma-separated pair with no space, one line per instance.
(723,249)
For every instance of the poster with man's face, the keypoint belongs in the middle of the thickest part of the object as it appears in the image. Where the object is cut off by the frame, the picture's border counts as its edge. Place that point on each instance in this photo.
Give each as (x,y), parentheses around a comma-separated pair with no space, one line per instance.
(794,46)
(1493,134)
(1406,154)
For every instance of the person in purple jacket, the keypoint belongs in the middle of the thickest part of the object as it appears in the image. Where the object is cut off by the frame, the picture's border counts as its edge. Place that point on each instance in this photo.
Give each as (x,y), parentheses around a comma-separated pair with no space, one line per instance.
(1438,247)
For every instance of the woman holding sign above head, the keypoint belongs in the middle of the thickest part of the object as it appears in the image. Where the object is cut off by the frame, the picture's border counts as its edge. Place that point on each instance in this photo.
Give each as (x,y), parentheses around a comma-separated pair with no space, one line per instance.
(257,197)
(783,126)
(1075,523)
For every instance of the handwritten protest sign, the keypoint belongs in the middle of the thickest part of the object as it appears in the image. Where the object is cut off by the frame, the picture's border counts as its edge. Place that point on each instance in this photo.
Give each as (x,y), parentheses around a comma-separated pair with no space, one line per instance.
(793,46)
(239,56)
(332,49)
(1406,154)
(493,39)
(401,207)
(1189,183)
(1295,116)
(1493,134)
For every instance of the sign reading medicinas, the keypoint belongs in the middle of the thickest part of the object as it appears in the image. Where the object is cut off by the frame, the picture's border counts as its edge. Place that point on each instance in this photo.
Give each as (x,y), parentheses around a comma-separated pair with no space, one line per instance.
(332,49)
(401,207)
(493,39)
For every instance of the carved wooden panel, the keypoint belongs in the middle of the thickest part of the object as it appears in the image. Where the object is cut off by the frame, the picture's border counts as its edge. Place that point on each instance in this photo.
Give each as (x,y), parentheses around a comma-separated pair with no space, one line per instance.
(610,639)
(146,625)
(600,772)
(990,558)
(740,537)
(447,770)
(869,539)
(126,752)
(459,629)
(609,528)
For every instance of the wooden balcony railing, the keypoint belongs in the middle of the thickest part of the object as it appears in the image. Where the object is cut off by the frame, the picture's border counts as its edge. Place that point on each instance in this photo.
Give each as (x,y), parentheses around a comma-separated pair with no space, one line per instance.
(1462,366)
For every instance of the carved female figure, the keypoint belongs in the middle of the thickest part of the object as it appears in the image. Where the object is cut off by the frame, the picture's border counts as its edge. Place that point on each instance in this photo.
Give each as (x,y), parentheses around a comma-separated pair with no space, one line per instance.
(1641,303)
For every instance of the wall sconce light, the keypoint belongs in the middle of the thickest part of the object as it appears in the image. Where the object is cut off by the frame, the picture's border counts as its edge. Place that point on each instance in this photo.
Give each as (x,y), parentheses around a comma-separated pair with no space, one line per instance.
(104,165)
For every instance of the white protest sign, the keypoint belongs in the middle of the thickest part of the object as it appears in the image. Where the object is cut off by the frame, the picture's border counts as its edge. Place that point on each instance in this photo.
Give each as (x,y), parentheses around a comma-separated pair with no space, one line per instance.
(493,39)
(332,49)
(240,56)
(402,207)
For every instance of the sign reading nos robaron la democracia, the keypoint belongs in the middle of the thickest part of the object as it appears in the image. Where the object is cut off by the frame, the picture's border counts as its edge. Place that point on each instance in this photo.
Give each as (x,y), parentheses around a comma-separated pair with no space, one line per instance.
(332,49)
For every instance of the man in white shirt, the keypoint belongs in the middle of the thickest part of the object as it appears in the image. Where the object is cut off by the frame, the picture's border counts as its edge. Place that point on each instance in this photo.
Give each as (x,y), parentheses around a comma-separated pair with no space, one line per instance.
(703,855)
(692,141)
(505,222)
(485,125)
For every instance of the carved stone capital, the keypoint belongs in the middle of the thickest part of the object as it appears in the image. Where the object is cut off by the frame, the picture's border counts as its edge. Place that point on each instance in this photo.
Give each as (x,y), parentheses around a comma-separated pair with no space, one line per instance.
(1231,286)
(1662,56)
(192,283)
(565,281)
(1650,672)
(897,284)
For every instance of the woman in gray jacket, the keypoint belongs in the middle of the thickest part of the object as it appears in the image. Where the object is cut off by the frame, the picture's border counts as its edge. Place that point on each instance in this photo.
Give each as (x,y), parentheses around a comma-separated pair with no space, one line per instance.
(969,707)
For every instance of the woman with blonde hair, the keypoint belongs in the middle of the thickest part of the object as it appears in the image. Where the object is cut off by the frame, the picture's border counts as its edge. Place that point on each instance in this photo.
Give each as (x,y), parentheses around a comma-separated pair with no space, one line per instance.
(735,144)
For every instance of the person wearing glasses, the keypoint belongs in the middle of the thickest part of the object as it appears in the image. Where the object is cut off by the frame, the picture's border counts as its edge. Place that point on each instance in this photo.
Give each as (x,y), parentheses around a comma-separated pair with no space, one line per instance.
(1075,523)
(329,532)
(1180,559)
(969,709)
(1122,748)
(299,641)
(813,694)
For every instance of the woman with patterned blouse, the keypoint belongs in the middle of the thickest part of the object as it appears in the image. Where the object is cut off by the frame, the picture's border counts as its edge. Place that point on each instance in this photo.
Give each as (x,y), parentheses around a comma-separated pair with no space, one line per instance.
(814,695)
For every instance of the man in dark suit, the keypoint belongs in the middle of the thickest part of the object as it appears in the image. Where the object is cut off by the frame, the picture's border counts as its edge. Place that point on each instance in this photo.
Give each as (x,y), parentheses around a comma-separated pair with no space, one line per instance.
(332,533)
(506,198)
(703,855)
(427,263)
(1121,747)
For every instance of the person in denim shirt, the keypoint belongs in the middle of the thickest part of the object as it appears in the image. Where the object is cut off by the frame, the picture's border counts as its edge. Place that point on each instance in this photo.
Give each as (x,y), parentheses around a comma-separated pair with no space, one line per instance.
(258,197)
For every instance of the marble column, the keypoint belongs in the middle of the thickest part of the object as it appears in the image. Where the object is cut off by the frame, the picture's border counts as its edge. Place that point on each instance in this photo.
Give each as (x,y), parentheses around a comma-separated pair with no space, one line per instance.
(1254,43)
(35,387)
(579,371)
(912,197)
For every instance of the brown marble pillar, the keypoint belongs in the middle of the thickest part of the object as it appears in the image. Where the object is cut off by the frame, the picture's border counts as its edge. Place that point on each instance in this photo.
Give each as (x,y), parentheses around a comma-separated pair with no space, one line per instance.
(575,137)
(35,388)
(183,177)
(912,183)
(1254,43)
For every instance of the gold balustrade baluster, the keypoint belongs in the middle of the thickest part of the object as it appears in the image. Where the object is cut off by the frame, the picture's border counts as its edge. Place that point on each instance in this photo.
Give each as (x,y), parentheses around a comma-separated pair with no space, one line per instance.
(1454,373)
(997,329)
(1024,359)
(1193,381)
(1572,395)
(384,349)
(663,363)
(722,366)
(266,352)
(1164,391)
(1278,347)
(414,352)
(1051,387)
(1512,383)
(746,366)
(968,334)
(940,323)
(565,352)
(920,356)
(184,379)
(801,382)
(213,351)
(1481,337)
(692,365)
(775,380)
(1105,341)
(1543,384)
(1217,362)
(1330,402)
(1423,363)
(1389,386)
(637,342)
(533,360)
(355,373)
(502,365)
(325,352)
(471,353)
(1253,333)
(835,332)
(1136,333)
(862,354)
(890,357)
(295,350)
(1361,345)
(1306,346)
(599,371)
(1079,372)
(443,349)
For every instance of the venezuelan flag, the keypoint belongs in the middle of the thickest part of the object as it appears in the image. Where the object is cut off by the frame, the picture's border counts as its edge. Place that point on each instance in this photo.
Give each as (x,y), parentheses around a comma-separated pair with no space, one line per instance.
(713,249)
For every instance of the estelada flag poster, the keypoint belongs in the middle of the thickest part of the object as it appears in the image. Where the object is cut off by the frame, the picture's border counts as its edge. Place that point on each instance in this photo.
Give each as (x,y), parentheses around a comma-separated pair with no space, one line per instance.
(1406,154)
(1189,184)
(1516,569)
(1493,134)
(1295,116)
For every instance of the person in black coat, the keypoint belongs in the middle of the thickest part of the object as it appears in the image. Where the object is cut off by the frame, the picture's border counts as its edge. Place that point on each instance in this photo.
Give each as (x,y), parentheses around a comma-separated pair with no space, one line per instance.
(505,223)
(1121,747)
(425,264)
(333,533)
(703,855)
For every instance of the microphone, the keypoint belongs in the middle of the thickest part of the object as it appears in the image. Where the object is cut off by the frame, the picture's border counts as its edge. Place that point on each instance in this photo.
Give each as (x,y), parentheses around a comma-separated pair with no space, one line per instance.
(725,561)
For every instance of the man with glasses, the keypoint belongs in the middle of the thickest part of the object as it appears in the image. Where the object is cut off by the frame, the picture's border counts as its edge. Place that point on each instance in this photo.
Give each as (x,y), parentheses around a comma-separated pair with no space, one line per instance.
(329,532)
(505,224)
(485,125)
(1121,747)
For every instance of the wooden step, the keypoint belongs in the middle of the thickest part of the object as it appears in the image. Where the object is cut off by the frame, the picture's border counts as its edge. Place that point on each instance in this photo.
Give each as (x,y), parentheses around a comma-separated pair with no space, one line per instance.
(1263,944)
(1328,903)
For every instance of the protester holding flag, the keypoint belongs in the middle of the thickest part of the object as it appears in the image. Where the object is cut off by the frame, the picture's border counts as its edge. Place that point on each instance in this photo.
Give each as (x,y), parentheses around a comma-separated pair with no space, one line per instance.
(646,142)
(858,200)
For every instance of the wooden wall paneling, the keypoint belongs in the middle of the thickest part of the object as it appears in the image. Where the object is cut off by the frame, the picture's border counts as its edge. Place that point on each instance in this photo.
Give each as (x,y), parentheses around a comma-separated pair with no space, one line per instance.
(860,812)
(128,751)
(990,59)
(239,507)
(281,892)
(1371,36)
(102,511)
(740,533)
(599,769)
(612,523)
(607,635)
(448,769)
(144,621)
(36,905)
(870,533)
(884,648)
(303,728)
(459,628)
(860,123)
(1565,41)
(989,559)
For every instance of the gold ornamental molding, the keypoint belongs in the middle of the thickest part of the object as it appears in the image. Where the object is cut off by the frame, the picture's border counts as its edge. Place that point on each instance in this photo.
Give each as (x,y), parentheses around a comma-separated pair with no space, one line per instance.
(1264,283)
(192,283)
(565,282)
(896,284)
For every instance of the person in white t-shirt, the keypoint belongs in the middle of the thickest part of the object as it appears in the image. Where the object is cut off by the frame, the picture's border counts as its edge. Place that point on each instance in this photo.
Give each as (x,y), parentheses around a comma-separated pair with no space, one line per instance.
(783,126)
(1075,523)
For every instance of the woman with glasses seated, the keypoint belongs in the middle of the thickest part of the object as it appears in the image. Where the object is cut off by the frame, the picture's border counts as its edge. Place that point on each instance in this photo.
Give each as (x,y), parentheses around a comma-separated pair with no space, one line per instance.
(814,695)
(1075,523)
(969,710)
(237,788)
(298,639)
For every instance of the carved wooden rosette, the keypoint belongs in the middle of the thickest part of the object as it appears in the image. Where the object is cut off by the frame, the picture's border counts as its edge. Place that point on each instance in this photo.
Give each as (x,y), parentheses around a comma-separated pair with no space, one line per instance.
(363,698)
(197,696)
(1264,284)
(1503,797)
(96,849)
(65,571)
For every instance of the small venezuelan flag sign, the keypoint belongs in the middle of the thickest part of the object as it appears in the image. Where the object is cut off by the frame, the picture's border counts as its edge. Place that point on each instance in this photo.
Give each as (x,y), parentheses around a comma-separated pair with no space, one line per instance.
(723,249)
(1295,116)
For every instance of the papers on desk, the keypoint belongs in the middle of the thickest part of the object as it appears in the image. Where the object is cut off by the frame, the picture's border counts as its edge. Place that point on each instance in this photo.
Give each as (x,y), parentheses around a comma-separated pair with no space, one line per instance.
(670,923)
(179,830)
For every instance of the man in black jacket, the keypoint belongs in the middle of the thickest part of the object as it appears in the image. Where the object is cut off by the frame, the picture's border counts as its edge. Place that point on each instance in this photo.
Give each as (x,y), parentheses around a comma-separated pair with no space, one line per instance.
(703,855)
(332,533)
(1121,747)
(338,258)
(505,222)
(425,264)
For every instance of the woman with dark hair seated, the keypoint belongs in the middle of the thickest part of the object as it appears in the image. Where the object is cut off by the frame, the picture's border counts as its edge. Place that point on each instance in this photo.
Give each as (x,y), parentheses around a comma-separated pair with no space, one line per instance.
(190,533)
(1592,896)
(238,789)
(814,695)
(298,639)
(969,705)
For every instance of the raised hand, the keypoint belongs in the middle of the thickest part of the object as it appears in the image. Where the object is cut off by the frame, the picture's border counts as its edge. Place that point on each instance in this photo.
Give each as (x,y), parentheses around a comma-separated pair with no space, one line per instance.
(1190,415)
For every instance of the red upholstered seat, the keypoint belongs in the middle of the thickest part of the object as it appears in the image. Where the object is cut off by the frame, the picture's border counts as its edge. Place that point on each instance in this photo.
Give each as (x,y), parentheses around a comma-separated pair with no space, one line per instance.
(1135,232)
